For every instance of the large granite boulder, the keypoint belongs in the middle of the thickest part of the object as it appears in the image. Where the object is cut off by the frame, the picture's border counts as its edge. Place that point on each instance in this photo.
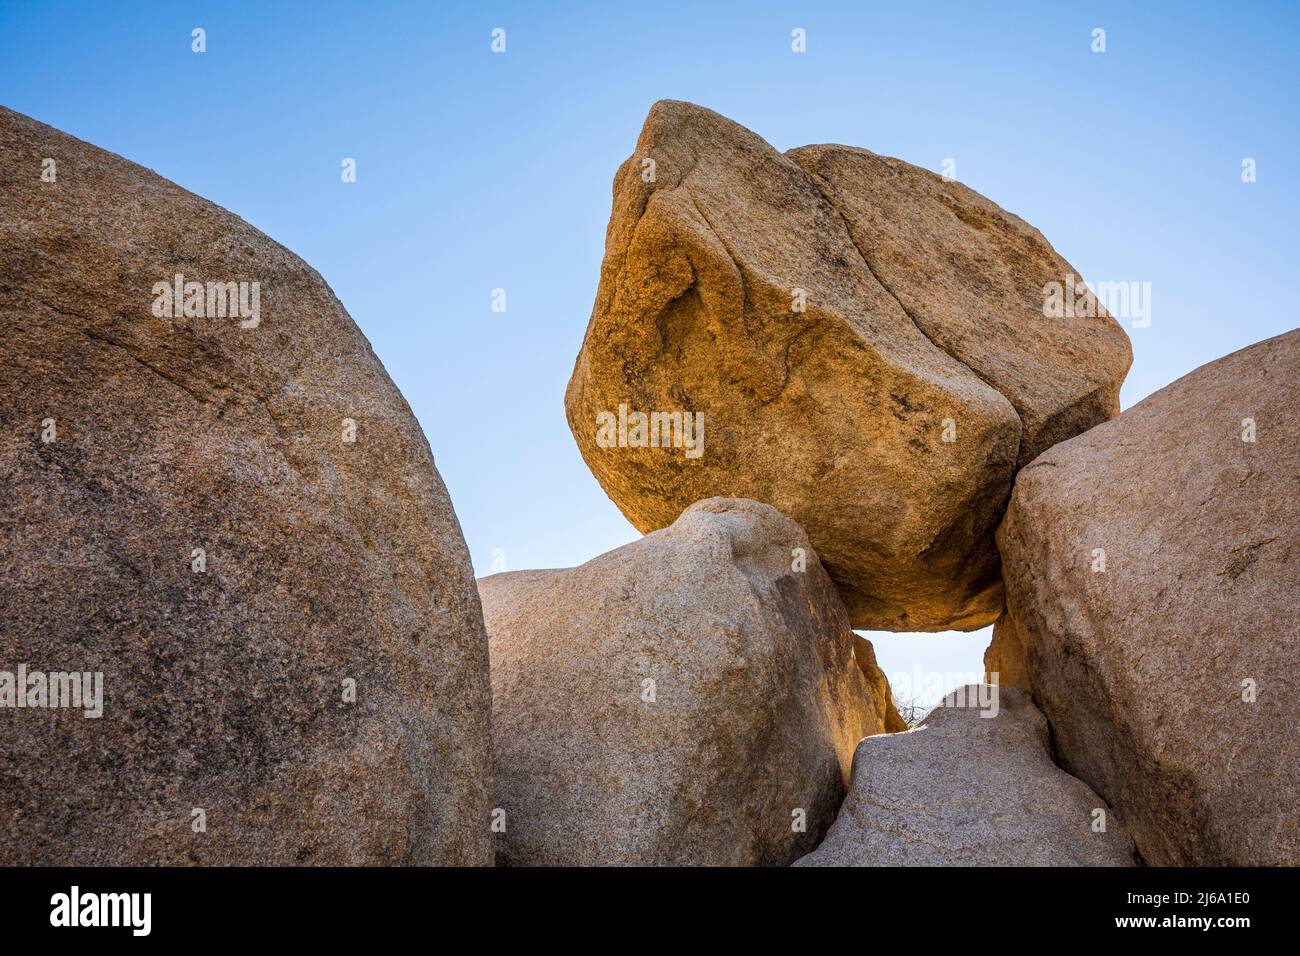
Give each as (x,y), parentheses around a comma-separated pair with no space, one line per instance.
(1151,569)
(221,504)
(866,344)
(972,785)
(691,698)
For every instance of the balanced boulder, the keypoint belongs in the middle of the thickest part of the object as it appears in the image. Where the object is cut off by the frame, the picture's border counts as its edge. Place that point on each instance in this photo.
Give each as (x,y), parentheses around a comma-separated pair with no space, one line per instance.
(691,698)
(972,785)
(856,341)
(1151,569)
(222,528)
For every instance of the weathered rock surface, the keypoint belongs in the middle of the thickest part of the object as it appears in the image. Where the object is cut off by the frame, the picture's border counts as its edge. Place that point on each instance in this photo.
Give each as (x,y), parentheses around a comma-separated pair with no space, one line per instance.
(679,700)
(1005,661)
(326,560)
(963,789)
(971,276)
(1170,676)
(922,320)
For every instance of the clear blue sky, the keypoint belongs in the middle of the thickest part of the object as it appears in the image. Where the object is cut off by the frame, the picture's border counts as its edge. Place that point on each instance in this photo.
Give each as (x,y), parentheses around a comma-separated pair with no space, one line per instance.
(479,170)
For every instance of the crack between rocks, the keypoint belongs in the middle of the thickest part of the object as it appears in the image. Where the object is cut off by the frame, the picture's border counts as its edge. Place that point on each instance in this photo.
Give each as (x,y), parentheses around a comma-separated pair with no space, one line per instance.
(681,184)
(866,261)
(744,297)
(132,353)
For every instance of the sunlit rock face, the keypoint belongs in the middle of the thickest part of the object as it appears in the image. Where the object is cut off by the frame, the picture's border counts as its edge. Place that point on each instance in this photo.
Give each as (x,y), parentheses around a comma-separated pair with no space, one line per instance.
(692,698)
(1151,569)
(866,347)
